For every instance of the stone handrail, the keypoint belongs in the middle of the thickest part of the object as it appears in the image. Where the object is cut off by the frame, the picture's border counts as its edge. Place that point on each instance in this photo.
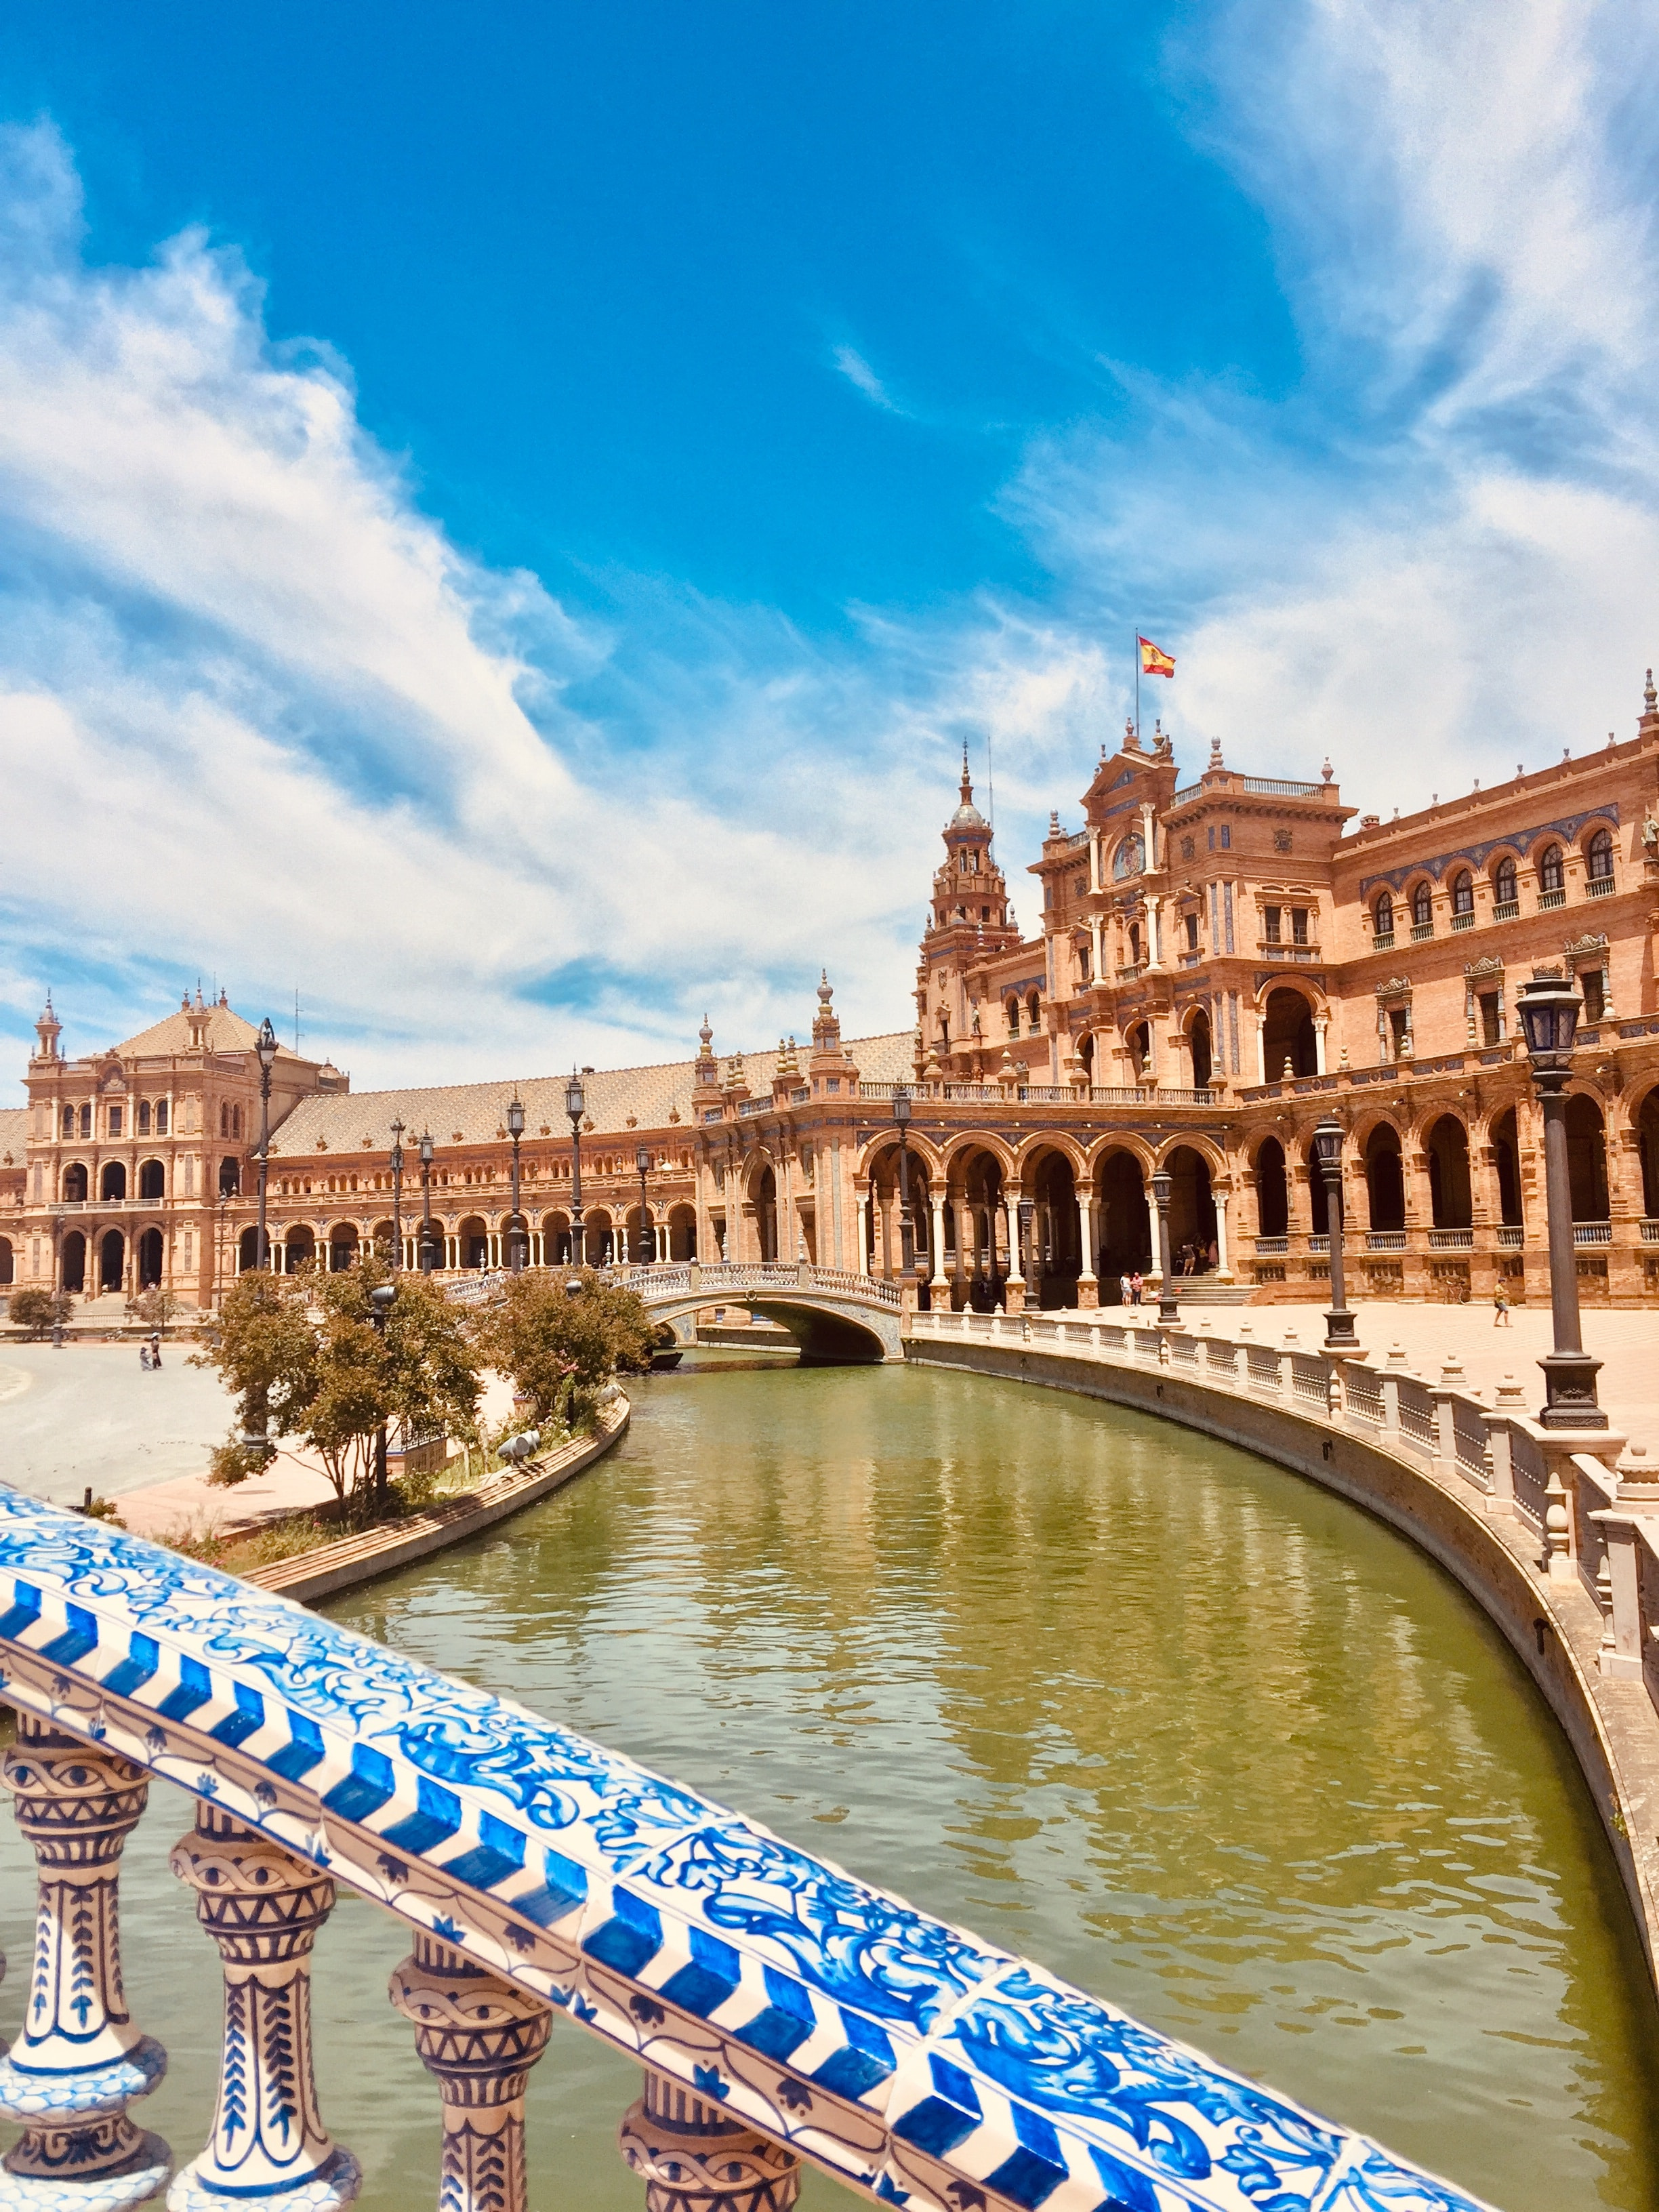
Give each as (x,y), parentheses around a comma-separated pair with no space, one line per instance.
(781,2011)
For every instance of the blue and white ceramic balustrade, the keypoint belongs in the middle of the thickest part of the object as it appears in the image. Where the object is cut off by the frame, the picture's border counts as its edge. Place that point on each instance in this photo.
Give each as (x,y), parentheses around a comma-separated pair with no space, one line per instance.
(781,2011)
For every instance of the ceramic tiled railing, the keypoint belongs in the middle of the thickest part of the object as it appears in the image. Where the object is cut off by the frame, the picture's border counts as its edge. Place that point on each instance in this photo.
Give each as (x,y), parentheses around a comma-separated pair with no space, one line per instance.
(781,2009)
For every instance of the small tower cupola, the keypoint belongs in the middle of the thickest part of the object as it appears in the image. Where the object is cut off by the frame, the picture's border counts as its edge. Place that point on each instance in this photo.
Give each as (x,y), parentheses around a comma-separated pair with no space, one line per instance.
(48,1029)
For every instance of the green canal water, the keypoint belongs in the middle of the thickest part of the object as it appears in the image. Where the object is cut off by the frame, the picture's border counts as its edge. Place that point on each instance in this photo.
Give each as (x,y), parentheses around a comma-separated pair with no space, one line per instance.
(1174,1723)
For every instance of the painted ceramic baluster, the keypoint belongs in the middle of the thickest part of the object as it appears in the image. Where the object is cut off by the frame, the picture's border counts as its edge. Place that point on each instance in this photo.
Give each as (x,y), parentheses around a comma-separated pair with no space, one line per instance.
(480,2037)
(262,1908)
(697,2158)
(80,2061)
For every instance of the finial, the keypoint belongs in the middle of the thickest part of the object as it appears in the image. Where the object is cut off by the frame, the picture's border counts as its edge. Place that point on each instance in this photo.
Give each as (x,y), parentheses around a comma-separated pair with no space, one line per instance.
(1328,771)
(705,1035)
(1215,752)
(1650,697)
(826,988)
(1054,822)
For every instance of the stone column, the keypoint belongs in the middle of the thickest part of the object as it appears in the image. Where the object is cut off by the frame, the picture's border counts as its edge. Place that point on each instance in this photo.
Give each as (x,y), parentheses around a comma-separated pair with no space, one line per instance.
(78,2064)
(263,1907)
(479,2037)
(694,2157)
(1088,1288)
(1319,1044)
(1014,1283)
(937,1204)
(1261,1047)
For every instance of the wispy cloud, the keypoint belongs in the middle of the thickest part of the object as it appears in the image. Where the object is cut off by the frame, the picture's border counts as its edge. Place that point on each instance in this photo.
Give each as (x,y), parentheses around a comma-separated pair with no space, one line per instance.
(858,372)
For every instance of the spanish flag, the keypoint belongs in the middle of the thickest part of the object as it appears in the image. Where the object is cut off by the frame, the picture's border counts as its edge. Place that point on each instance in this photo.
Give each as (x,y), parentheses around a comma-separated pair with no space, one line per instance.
(1152,662)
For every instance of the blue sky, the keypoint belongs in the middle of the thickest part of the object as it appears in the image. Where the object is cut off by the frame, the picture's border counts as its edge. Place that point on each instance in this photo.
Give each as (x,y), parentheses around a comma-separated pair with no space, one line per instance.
(508,516)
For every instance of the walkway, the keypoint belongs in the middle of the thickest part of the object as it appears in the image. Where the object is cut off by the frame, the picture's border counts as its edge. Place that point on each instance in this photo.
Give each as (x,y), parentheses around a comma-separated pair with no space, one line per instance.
(1627,1342)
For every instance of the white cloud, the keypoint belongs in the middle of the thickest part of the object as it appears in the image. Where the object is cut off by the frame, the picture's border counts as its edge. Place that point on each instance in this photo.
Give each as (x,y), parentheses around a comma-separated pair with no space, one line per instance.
(858,372)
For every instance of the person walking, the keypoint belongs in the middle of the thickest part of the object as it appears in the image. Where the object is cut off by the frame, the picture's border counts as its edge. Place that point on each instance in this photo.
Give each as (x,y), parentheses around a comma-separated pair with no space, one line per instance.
(143,1357)
(1501,1305)
(155,1351)
(1136,1284)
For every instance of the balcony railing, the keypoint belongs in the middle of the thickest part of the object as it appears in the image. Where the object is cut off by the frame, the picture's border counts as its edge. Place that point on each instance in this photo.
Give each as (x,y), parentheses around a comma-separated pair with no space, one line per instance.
(1463,921)
(1506,910)
(1592,1232)
(1420,930)
(1451,1240)
(1385,1240)
(1511,1235)
(1273,787)
(1547,899)
(1599,887)
(1383,941)
(1273,1243)
(1649,1229)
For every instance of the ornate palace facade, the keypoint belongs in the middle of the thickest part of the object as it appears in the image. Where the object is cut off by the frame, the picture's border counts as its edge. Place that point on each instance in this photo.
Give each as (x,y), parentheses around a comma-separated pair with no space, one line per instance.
(1218,963)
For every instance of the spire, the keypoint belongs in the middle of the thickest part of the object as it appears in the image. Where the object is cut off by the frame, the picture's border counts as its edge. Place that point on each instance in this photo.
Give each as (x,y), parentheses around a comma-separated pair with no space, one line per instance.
(967,784)
(1649,722)
(48,1029)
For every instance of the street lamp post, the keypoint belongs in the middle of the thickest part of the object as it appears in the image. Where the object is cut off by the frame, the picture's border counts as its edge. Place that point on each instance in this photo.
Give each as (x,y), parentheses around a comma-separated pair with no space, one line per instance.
(648,1240)
(574,1105)
(1162,1184)
(429,1246)
(380,1301)
(1549,1010)
(397,1196)
(265,1046)
(517,1255)
(902,1111)
(1338,1322)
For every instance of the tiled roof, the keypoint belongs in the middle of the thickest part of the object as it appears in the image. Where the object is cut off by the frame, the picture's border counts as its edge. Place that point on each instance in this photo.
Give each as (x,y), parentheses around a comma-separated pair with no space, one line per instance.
(227,1032)
(14,1134)
(475,1113)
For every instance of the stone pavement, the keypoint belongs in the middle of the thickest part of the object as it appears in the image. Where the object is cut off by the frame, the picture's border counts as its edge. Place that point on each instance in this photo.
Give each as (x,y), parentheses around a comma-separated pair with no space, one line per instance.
(1626,1342)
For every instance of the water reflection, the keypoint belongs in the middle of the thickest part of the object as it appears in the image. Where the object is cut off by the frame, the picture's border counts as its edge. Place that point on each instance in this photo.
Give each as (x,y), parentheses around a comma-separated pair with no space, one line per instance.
(1179,1725)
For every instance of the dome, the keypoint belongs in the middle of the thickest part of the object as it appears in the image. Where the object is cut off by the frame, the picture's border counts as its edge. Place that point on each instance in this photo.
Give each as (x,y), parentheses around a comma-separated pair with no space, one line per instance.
(968,817)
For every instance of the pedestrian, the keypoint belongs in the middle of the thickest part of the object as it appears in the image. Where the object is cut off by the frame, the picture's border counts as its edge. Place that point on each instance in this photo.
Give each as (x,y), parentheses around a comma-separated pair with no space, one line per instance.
(1501,1303)
(155,1351)
(143,1357)
(1213,1256)
(1126,1296)
(1136,1284)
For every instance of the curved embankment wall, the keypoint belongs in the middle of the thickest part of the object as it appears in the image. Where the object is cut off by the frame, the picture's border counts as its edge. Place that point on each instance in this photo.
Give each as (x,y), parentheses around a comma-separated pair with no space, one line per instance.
(1476,1534)
(338,1567)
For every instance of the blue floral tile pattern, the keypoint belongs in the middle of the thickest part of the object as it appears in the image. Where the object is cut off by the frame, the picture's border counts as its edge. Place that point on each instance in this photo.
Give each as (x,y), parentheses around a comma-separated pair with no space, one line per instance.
(925,2067)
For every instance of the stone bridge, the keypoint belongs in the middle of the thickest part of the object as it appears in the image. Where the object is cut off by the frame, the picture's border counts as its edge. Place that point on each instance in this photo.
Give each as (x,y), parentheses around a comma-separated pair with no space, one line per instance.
(832,1314)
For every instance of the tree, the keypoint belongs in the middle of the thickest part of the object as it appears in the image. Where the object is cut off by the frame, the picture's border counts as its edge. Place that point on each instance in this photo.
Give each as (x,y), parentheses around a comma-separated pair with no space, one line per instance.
(305,1358)
(557,1349)
(156,1307)
(38,1310)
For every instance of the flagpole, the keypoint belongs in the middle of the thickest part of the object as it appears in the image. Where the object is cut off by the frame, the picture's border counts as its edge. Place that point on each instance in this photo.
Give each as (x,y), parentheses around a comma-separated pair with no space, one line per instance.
(1137,690)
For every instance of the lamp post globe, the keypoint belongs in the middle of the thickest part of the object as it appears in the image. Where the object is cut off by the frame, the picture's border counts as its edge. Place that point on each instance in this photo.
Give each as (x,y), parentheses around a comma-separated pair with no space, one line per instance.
(1163,1185)
(517,1244)
(1548,1008)
(575,1105)
(1328,1136)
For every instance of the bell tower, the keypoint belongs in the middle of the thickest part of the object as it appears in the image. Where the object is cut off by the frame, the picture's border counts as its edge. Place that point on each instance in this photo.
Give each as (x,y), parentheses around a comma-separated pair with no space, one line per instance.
(968,920)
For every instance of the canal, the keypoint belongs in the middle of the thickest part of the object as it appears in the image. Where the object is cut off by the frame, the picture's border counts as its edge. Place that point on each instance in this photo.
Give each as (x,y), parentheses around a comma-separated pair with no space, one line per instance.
(1173,1722)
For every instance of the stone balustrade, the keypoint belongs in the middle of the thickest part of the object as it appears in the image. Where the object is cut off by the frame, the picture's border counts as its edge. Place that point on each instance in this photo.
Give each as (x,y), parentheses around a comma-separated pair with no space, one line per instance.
(782,2011)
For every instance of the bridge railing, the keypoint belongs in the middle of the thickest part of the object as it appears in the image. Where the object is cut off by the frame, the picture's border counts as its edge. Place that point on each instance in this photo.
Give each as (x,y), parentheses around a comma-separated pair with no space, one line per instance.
(717,1275)
(781,2009)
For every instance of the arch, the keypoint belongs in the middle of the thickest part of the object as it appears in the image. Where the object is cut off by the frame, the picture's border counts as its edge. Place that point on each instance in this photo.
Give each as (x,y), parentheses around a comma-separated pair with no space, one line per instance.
(112,1183)
(1506,1160)
(763,1197)
(977,1170)
(1138,1038)
(1200,1049)
(1272,1190)
(1506,881)
(473,1241)
(150,1259)
(230,1178)
(342,1247)
(598,1236)
(1598,854)
(1319,1199)
(1033,1010)
(1462,892)
(1587,1159)
(1052,1227)
(112,1259)
(1122,1226)
(682,1231)
(1447,1144)
(1552,869)
(1192,1209)
(301,1247)
(1013,1012)
(1287,1033)
(69,1121)
(1422,903)
(247,1250)
(885,1218)
(152,1179)
(1382,914)
(75,1183)
(7,1270)
(555,1240)
(74,1261)
(379,1238)
(1385,1178)
(1646,1124)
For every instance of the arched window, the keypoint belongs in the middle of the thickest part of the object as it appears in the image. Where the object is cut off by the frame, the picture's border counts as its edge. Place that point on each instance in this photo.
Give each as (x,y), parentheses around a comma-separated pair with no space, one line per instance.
(230,1178)
(224,1119)
(68,1120)
(75,1184)
(112,1184)
(160,1117)
(143,1117)
(152,1180)
(1505,888)
(1130,857)
(1382,918)
(1552,874)
(1599,853)
(1013,1016)
(1033,1011)
(1422,907)
(1463,893)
